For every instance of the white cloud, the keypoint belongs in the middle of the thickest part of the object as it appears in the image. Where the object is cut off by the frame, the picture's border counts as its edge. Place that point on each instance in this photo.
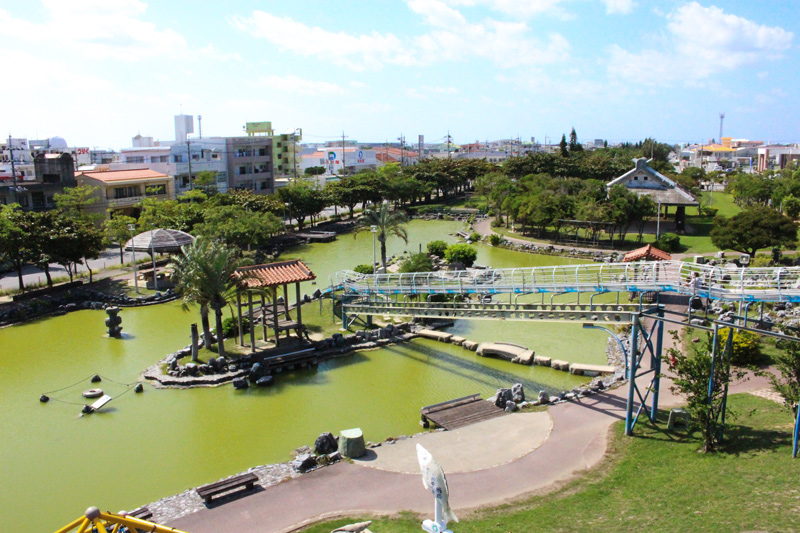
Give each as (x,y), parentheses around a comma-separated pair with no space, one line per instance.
(519,8)
(622,7)
(298,85)
(451,37)
(359,52)
(97,29)
(700,42)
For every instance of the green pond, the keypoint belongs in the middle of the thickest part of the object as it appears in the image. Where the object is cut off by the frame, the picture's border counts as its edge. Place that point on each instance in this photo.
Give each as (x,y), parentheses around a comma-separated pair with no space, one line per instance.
(142,447)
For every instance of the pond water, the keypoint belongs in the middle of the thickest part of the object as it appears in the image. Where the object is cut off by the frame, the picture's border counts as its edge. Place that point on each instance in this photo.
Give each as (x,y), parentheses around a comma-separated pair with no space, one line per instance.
(146,446)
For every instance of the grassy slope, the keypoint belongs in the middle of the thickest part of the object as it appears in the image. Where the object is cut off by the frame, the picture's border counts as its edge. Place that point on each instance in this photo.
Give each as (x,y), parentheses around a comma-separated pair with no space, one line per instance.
(659,482)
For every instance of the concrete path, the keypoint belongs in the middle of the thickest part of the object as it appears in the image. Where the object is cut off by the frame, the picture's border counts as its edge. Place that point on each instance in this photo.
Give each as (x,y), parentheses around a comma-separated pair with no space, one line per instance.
(488,464)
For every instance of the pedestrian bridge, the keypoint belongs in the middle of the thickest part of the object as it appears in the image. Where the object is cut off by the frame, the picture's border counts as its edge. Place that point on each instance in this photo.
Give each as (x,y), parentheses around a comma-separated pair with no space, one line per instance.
(771,284)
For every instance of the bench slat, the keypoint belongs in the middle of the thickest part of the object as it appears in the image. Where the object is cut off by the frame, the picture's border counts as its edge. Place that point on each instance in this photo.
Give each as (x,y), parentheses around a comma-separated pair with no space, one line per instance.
(212,489)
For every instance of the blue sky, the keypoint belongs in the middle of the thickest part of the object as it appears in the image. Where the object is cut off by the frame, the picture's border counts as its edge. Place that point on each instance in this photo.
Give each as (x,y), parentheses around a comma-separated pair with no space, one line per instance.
(97,72)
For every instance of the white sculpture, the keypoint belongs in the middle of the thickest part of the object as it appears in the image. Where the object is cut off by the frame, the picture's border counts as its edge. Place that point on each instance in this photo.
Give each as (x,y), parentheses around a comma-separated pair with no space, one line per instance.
(434,480)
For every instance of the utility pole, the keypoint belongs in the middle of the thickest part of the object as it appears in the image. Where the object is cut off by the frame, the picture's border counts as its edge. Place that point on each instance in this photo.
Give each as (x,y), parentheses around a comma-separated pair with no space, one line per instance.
(13,170)
(344,166)
(448,144)
(189,153)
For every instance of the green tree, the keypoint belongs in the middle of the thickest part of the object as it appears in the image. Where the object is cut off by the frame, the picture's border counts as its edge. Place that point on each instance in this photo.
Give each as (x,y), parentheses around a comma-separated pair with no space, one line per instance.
(437,248)
(563,146)
(75,201)
(788,383)
(204,276)
(752,229)
(314,171)
(461,253)
(207,180)
(304,199)
(235,226)
(791,206)
(388,223)
(574,145)
(419,262)
(117,230)
(15,241)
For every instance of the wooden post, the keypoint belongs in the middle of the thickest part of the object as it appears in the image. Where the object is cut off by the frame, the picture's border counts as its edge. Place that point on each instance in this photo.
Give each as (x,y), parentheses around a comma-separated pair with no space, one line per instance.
(239,318)
(299,312)
(195,340)
(275,315)
(286,306)
(252,325)
(263,317)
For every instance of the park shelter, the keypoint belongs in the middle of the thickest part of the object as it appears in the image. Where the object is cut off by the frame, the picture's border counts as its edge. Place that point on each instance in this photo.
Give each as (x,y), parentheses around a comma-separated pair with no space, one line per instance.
(158,241)
(261,279)
(664,192)
(646,253)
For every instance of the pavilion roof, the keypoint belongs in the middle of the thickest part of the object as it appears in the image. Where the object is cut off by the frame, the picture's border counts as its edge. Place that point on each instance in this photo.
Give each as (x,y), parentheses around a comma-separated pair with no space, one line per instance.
(648,252)
(274,274)
(159,240)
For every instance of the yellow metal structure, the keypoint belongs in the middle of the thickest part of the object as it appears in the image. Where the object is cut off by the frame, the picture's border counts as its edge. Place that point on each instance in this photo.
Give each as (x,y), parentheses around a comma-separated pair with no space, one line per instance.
(94,520)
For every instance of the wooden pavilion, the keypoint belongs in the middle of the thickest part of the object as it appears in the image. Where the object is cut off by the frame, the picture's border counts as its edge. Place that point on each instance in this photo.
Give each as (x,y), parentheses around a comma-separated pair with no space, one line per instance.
(646,253)
(260,279)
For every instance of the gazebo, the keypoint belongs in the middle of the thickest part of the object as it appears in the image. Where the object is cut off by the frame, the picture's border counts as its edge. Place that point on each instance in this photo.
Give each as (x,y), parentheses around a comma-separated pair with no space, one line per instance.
(164,241)
(261,278)
(646,253)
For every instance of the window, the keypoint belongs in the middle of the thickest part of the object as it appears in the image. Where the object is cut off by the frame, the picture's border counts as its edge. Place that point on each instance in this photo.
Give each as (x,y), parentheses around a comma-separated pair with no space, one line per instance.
(262,152)
(242,170)
(177,158)
(23,200)
(215,156)
(51,178)
(126,192)
(159,159)
(135,159)
(264,185)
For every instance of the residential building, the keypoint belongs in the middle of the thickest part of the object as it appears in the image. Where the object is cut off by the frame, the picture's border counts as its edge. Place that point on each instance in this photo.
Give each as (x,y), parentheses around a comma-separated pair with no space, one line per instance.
(337,161)
(777,156)
(121,191)
(52,173)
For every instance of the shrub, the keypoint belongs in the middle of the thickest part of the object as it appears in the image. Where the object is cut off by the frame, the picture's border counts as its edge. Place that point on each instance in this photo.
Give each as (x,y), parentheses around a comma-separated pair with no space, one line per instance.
(437,248)
(419,262)
(230,326)
(710,211)
(791,206)
(497,222)
(669,242)
(746,347)
(760,260)
(475,237)
(495,239)
(364,269)
(461,253)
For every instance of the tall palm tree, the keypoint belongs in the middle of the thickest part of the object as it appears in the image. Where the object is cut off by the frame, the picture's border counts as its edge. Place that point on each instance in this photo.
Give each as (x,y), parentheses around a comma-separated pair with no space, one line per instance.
(389,224)
(205,277)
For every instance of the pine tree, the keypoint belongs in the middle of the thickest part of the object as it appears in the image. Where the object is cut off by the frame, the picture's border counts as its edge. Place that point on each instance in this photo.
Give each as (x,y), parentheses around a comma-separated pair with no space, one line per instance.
(574,145)
(563,145)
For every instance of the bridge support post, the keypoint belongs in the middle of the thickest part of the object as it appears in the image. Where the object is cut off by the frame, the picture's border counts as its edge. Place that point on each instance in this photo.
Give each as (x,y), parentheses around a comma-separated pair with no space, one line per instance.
(369,321)
(655,364)
(634,364)
(796,433)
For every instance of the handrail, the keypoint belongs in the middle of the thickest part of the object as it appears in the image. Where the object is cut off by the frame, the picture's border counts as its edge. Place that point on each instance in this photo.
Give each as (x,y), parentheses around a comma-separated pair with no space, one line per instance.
(745,284)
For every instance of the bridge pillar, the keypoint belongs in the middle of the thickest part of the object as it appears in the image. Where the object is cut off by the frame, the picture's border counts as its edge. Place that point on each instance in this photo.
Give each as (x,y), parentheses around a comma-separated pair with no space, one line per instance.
(634,364)
(655,364)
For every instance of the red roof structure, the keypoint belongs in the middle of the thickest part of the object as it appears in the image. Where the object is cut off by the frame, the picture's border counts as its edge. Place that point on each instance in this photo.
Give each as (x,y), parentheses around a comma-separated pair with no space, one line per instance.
(274,274)
(647,253)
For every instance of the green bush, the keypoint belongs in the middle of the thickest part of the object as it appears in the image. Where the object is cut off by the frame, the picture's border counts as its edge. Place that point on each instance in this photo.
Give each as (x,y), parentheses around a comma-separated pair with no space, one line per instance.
(364,269)
(461,253)
(437,248)
(761,260)
(746,347)
(668,242)
(791,206)
(419,262)
(230,326)
(497,222)
(495,239)
(475,236)
(710,211)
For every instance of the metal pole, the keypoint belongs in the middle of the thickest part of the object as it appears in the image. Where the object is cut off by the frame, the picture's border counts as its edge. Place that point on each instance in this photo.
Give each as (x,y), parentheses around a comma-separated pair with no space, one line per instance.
(153,255)
(13,170)
(632,379)
(189,153)
(133,249)
(655,364)
(374,230)
(658,222)
(796,431)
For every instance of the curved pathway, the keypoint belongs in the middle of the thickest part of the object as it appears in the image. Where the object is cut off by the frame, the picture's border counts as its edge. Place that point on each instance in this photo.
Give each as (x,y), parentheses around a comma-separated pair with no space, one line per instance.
(576,442)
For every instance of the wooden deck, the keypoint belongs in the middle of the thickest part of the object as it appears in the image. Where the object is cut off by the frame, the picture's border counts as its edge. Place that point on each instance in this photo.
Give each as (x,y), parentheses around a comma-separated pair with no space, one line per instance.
(317,236)
(460,412)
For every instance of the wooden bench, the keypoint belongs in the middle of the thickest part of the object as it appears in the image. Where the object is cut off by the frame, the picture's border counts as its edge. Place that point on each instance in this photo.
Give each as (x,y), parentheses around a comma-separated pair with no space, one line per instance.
(226,485)
(143,513)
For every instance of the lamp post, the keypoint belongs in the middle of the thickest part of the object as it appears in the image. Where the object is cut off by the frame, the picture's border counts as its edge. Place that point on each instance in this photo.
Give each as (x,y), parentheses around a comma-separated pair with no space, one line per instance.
(374,230)
(286,221)
(589,325)
(132,227)
(658,221)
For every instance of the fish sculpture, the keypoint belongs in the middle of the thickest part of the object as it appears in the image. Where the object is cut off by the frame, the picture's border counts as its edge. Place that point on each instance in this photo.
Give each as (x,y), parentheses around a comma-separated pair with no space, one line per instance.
(433,479)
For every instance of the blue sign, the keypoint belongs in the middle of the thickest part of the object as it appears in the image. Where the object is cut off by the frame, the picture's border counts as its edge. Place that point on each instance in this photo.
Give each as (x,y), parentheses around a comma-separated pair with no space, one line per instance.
(360,154)
(331,156)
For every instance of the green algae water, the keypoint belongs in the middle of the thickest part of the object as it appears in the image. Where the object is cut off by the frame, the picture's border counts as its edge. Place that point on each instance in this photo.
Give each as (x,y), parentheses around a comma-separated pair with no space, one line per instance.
(142,447)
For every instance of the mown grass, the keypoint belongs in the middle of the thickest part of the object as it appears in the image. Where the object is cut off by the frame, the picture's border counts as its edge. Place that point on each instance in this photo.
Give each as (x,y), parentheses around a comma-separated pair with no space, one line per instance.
(659,482)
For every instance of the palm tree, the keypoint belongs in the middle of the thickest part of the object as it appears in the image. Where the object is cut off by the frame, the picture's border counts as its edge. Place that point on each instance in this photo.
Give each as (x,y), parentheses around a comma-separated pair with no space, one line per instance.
(388,223)
(204,276)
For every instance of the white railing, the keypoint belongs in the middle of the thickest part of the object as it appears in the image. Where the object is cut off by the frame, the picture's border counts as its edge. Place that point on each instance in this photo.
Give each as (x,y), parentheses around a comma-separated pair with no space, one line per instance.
(707,281)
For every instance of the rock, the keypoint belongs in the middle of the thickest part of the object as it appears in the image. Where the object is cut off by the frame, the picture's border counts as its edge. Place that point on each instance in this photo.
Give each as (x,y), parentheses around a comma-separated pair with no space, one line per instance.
(205,369)
(96,378)
(232,368)
(338,339)
(503,396)
(517,393)
(139,388)
(325,444)
(351,443)
(544,397)
(542,361)
(304,463)
(470,345)
(317,293)
(213,364)
(257,371)
(558,364)
(334,457)
(511,407)
(697,322)
(191,369)
(240,383)
(265,381)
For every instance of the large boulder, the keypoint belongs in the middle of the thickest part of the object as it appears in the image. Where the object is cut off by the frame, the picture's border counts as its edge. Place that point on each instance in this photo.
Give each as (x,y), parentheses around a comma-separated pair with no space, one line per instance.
(517,393)
(325,444)
(265,381)
(240,383)
(503,396)
(257,371)
(304,463)
(351,443)
(544,397)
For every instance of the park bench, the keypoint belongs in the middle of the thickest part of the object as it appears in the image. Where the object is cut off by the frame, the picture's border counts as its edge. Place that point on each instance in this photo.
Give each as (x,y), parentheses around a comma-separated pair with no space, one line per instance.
(226,485)
(143,513)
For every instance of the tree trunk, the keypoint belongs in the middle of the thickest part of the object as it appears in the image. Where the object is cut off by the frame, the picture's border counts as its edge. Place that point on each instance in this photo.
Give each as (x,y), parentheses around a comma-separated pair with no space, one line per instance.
(121,255)
(69,271)
(19,277)
(86,263)
(46,269)
(383,254)
(220,340)
(206,327)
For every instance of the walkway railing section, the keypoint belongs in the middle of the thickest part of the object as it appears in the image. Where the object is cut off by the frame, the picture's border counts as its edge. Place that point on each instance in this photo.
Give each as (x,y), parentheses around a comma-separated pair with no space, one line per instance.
(780,284)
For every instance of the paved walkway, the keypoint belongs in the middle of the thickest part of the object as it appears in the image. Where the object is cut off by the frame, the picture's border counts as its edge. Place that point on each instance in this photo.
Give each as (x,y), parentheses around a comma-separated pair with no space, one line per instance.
(501,464)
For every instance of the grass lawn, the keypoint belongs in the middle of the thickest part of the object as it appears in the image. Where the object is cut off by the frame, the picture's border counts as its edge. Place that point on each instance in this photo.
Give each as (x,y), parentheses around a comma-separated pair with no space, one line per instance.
(659,482)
